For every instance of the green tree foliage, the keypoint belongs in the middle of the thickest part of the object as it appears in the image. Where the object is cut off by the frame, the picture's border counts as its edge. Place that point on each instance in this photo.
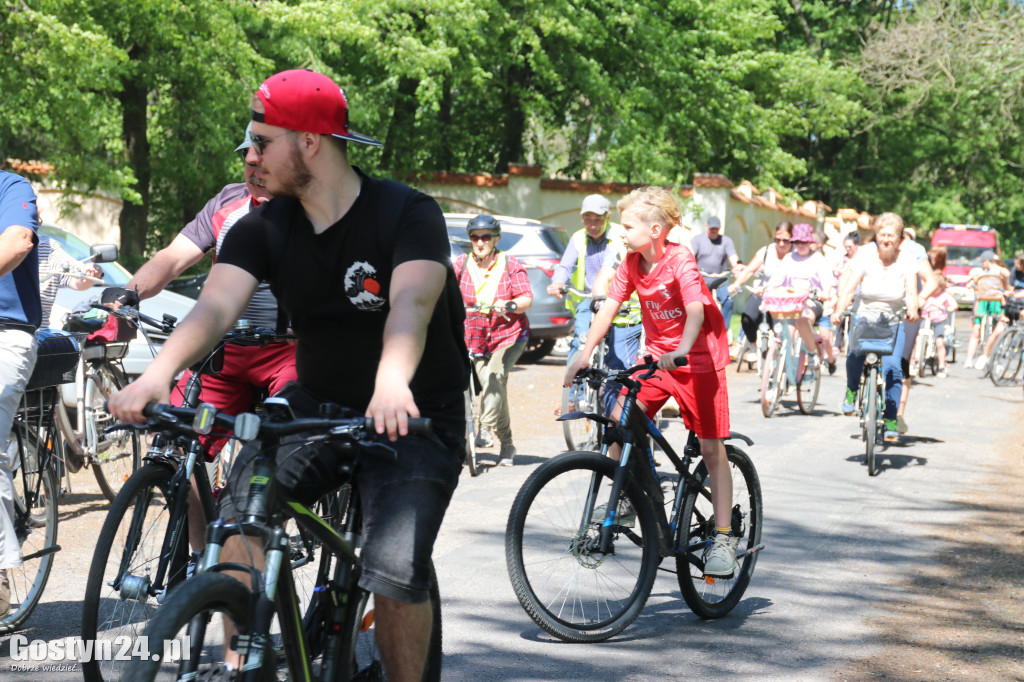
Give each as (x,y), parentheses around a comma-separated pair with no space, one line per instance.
(146,99)
(944,142)
(141,99)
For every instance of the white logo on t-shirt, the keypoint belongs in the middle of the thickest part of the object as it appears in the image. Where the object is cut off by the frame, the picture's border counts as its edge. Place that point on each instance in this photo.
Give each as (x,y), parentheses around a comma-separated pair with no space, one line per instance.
(362,287)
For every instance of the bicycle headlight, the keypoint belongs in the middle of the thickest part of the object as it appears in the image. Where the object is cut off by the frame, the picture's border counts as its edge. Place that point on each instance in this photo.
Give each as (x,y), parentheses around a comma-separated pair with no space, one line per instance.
(872,358)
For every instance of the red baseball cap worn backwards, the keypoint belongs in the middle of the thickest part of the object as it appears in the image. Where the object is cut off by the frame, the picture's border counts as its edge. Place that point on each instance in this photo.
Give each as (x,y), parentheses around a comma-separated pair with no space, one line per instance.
(307,101)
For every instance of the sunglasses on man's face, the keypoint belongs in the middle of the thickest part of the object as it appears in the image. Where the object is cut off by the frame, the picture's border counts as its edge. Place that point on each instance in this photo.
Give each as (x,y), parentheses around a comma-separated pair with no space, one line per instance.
(485,237)
(259,143)
(782,241)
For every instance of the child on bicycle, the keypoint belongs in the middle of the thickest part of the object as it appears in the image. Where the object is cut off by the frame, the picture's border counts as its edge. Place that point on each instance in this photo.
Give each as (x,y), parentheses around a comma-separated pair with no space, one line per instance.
(936,309)
(681,320)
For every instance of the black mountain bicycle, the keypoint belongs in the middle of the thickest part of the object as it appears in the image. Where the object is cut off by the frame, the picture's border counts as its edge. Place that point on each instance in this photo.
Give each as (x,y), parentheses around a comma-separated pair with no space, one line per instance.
(143,549)
(586,534)
(331,637)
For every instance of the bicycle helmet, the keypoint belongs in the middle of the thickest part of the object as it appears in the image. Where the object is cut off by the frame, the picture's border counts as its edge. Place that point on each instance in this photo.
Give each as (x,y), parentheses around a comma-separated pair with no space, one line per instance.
(484,221)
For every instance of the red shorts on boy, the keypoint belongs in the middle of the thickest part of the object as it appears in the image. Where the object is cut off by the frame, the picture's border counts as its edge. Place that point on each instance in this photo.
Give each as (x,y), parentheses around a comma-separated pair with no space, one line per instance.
(702,396)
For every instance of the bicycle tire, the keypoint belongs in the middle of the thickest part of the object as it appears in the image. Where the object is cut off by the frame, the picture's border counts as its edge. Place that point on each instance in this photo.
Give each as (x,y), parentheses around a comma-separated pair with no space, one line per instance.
(771,390)
(583,434)
(710,597)
(194,610)
(129,546)
(1006,356)
(471,453)
(808,386)
(118,454)
(360,649)
(745,347)
(569,589)
(35,525)
(871,421)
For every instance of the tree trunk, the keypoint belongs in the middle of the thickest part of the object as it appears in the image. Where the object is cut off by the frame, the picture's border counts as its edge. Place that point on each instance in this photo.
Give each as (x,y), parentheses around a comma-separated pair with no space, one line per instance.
(403,118)
(445,158)
(511,150)
(134,219)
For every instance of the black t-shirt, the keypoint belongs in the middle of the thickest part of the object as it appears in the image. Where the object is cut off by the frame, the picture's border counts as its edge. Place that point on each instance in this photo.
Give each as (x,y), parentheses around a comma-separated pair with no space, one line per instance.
(334,287)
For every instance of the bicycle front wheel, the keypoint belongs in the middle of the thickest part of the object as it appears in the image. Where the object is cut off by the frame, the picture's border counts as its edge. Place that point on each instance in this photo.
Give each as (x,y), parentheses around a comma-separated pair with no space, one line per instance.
(809,384)
(707,596)
(120,595)
(35,526)
(117,454)
(564,582)
(871,420)
(187,632)
(771,381)
(361,651)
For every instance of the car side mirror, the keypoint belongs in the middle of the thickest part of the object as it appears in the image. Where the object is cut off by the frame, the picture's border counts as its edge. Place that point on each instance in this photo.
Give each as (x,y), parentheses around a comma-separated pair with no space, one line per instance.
(103,253)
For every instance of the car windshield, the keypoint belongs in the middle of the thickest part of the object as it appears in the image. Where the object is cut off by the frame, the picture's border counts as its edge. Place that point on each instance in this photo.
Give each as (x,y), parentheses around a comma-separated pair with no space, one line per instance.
(113,273)
(964,255)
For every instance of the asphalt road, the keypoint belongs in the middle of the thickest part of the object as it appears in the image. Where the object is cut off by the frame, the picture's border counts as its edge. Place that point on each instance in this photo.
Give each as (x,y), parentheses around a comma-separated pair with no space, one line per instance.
(838,543)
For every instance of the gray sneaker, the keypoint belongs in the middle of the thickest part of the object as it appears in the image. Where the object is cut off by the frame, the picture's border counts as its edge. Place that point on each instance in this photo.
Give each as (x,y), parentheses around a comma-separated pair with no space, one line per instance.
(483,438)
(720,556)
(506,455)
(625,516)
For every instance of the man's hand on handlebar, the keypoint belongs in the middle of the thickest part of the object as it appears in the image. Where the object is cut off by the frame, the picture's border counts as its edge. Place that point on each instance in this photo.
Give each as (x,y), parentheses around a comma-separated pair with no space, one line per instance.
(128,404)
(391,406)
(556,290)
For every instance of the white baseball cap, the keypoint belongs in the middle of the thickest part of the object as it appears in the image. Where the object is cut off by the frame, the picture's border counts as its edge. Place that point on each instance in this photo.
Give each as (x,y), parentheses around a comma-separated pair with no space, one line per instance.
(247,142)
(595,203)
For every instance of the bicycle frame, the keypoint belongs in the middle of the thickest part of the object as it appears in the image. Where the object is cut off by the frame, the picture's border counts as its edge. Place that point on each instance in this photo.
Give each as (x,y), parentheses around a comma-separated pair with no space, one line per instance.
(276,593)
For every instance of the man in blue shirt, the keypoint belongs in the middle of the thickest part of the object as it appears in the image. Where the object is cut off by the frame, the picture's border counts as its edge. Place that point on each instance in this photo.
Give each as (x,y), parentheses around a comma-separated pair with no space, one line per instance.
(716,253)
(20,312)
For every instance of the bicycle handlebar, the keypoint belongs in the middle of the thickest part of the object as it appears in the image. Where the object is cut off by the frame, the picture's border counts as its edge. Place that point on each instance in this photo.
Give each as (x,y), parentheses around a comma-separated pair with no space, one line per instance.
(509,307)
(163,416)
(648,366)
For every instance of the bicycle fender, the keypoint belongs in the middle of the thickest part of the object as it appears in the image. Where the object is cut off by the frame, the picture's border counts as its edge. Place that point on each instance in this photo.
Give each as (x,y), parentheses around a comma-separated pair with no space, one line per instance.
(740,436)
(585,415)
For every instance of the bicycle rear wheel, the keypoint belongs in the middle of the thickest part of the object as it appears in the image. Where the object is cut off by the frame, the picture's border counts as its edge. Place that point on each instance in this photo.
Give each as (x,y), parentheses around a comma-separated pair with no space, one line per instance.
(1006,358)
(119,597)
(35,526)
(361,648)
(871,420)
(565,584)
(189,629)
(471,430)
(117,454)
(707,596)
(809,384)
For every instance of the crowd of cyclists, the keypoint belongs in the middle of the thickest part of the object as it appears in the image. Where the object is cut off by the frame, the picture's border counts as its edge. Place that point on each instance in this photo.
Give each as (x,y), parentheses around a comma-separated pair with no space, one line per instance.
(386,325)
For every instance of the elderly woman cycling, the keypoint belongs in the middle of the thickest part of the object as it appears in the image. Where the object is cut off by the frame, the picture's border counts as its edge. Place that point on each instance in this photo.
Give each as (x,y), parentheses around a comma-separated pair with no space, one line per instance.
(496,292)
(888,283)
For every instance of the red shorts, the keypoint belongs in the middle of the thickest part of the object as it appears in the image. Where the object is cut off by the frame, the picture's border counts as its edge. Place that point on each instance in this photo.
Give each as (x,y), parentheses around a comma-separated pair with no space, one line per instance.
(702,396)
(246,370)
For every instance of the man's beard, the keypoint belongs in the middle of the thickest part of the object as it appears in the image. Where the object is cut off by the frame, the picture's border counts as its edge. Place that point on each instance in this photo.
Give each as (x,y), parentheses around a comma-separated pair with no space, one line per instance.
(296,177)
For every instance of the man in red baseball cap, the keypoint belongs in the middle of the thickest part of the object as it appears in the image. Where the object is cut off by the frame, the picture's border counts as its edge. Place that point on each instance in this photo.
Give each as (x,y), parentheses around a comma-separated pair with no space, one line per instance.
(363,268)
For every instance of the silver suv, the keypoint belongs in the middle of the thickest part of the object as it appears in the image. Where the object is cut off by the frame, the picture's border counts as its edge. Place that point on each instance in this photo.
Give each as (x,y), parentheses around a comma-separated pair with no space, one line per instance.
(538,247)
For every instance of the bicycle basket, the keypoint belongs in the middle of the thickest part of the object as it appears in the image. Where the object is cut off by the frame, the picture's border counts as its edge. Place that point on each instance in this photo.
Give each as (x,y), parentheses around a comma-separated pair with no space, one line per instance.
(873,332)
(57,359)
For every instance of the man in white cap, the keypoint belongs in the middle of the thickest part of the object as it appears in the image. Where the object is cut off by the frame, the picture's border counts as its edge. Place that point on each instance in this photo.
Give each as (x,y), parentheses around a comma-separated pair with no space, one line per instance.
(590,250)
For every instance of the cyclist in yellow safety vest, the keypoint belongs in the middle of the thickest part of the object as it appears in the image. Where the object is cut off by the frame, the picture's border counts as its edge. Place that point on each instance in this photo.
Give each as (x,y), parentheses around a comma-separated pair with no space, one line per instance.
(587,265)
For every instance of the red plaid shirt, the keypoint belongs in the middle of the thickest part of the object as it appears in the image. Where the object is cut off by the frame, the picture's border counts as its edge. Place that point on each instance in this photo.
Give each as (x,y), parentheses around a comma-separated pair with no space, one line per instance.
(488,332)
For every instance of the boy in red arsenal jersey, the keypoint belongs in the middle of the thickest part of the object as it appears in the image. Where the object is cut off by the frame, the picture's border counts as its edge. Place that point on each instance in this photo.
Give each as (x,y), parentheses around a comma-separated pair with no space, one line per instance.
(681,319)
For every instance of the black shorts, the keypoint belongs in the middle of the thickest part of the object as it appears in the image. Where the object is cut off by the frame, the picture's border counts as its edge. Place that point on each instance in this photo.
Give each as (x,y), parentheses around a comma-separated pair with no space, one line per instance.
(404,496)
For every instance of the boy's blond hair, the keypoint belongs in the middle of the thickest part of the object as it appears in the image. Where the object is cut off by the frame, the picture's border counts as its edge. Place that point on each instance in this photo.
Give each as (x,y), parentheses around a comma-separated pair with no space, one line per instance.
(653,205)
